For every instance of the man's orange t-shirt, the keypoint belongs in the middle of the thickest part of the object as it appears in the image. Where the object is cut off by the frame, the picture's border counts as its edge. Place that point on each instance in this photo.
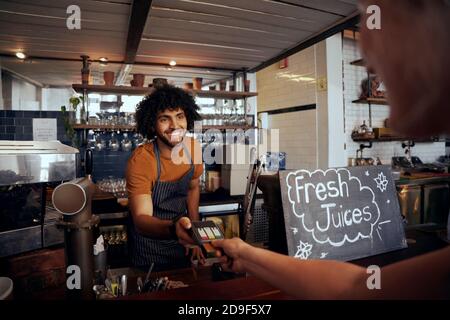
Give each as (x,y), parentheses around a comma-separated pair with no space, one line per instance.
(142,171)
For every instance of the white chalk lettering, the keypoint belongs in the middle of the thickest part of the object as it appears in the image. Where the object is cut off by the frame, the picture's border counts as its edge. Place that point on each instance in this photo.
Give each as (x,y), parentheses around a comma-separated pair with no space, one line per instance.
(328,206)
(367,214)
(298,186)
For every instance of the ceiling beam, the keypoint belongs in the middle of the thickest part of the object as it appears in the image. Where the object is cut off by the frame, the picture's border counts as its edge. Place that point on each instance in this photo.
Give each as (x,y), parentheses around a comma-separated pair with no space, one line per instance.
(139,14)
(341,25)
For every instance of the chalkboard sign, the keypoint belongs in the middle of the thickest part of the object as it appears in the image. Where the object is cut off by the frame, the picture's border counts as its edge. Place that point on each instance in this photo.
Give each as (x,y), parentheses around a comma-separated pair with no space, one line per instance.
(341,213)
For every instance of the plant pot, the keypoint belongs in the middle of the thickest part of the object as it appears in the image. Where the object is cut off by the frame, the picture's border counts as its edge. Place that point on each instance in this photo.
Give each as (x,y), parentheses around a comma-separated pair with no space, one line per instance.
(188,86)
(159,82)
(247,85)
(197,83)
(108,77)
(139,79)
(223,85)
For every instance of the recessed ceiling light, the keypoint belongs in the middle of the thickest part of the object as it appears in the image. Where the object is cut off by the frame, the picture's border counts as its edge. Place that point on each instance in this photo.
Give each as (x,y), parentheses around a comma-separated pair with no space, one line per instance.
(103,61)
(20,55)
(172,63)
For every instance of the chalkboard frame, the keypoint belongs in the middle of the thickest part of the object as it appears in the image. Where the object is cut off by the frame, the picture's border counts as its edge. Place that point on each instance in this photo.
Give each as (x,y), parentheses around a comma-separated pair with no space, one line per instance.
(397,239)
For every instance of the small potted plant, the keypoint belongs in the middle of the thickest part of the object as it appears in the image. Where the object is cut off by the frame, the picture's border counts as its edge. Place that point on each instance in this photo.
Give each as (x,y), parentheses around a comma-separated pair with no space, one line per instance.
(67,117)
(81,115)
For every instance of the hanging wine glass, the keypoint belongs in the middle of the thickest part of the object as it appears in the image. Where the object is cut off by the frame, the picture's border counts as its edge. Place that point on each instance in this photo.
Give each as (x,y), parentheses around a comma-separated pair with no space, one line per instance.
(114,143)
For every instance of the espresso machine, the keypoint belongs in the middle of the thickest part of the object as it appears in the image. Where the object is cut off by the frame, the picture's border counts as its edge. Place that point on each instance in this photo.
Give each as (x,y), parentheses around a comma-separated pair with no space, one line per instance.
(26,169)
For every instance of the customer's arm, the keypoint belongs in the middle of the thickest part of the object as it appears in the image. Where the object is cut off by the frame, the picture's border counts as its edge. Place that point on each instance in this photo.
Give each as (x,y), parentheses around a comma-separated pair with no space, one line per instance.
(422,277)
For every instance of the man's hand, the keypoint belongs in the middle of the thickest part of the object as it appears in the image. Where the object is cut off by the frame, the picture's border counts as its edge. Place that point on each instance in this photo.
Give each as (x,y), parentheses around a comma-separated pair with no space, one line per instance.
(181,228)
(197,253)
(231,254)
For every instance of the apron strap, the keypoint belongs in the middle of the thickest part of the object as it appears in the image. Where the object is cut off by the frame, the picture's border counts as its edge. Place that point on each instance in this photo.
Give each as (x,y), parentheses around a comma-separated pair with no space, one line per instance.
(158,162)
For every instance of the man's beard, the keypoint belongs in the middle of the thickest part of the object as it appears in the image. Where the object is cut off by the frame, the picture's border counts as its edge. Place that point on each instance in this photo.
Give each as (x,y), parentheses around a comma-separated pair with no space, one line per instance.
(173,143)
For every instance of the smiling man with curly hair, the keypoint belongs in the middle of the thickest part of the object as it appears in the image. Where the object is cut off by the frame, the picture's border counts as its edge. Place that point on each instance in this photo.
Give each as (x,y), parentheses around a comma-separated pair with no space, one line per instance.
(163,193)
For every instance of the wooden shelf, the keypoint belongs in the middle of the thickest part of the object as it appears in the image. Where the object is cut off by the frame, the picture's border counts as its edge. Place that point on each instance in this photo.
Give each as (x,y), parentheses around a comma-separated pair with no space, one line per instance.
(103,127)
(126,90)
(223,94)
(80,88)
(393,139)
(359,63)
(228,127)
(353,35)
(380,101)
(132,128)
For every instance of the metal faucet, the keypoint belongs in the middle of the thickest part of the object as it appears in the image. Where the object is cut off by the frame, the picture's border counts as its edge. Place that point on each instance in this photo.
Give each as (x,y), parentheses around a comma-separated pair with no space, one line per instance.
(408,146)
(362,146)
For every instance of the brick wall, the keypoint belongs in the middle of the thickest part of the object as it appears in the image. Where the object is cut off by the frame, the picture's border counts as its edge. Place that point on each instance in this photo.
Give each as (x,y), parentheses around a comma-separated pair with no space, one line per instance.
(18,125)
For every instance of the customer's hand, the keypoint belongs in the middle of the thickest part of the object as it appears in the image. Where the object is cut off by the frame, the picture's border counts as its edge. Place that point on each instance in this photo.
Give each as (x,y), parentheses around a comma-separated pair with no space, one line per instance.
(182,227)
(230,254)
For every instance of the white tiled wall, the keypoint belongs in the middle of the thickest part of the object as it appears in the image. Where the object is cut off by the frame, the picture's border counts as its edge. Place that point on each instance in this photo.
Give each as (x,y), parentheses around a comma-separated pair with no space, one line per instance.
(291,87)
(288,87)
(297,131)
(355,114)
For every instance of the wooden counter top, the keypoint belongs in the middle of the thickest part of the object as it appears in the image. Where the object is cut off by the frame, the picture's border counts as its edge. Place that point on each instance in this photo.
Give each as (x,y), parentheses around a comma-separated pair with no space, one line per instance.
(246,288)
(200,281)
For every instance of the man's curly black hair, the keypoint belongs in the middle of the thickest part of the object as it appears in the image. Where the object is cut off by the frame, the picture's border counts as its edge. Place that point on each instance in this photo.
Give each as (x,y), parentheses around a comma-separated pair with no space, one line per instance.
(165,97)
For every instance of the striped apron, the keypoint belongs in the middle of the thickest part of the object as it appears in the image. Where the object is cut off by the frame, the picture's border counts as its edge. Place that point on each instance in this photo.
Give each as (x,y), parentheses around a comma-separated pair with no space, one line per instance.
(169,201)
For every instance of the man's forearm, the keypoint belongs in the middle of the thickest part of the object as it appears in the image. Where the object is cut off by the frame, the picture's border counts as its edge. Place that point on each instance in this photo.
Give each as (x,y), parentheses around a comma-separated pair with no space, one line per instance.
(153,227)
(193,200)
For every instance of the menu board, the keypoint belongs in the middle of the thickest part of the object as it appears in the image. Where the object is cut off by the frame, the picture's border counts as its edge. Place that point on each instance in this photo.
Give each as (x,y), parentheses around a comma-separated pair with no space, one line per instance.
(341,213)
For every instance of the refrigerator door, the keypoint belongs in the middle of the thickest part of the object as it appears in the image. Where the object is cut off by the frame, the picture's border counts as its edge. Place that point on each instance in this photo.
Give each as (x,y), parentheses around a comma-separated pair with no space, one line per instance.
(436,203)
(410,199)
